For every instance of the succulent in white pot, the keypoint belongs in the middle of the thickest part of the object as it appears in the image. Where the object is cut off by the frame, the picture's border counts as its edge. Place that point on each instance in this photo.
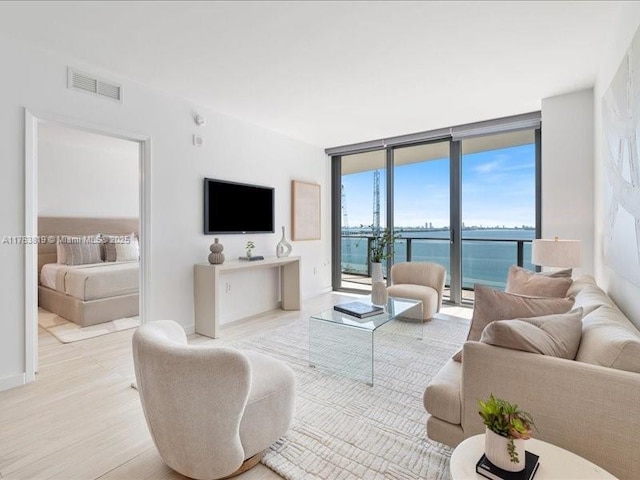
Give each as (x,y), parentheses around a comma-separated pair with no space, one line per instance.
(507,430)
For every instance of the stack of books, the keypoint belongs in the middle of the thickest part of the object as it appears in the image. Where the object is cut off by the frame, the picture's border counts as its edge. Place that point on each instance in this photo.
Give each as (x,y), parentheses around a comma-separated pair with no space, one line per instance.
(253,258)
(358,309)
(487,469)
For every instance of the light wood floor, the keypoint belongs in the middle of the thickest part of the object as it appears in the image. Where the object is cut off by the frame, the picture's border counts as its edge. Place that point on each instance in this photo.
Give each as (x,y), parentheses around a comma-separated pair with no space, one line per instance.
(81,420)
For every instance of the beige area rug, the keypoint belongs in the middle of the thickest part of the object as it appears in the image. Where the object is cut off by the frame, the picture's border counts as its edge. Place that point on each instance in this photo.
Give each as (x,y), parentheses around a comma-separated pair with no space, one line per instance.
(68,332)
(345,429)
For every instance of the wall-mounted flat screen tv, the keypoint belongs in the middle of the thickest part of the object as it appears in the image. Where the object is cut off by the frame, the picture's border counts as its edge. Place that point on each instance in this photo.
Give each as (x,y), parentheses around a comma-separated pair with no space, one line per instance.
(231,207)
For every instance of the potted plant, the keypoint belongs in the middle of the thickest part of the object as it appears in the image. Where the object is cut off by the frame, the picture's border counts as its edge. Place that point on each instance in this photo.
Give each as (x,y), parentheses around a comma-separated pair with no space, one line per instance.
(381,248)
(250,246)
(507,429)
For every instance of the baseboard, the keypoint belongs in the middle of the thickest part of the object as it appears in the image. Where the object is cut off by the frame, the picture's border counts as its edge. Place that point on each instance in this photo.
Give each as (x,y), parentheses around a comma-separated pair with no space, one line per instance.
(12,381)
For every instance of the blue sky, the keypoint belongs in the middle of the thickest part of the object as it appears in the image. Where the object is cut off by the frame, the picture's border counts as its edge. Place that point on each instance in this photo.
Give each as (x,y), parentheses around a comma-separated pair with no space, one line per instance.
(498,188)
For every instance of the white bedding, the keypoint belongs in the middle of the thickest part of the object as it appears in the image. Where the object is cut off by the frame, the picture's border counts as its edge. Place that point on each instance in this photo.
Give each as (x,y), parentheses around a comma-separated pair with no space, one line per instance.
(92,281)
(48,274)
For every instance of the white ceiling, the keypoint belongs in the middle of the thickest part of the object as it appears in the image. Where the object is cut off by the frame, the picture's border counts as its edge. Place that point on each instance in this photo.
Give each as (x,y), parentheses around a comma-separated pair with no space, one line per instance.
(335,72)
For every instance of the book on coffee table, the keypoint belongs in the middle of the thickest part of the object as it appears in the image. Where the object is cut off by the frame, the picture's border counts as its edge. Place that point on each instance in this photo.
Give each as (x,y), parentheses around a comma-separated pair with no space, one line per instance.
(358,309)
(487,469)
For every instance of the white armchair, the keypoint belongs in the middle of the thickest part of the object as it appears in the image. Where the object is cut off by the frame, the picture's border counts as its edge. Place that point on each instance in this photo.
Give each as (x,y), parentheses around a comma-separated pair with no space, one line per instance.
(419,281)
(212,411)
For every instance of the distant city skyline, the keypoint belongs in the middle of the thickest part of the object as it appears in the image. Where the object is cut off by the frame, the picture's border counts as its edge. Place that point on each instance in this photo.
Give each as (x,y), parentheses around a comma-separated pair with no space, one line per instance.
(446,227)
(498,189)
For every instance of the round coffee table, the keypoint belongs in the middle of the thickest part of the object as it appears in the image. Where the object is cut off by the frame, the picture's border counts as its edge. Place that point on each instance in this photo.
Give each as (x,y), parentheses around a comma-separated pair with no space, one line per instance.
(555,463)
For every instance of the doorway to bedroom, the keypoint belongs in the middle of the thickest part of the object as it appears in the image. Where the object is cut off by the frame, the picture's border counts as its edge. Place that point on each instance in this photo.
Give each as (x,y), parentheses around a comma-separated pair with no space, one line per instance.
(88,210)
(89,203)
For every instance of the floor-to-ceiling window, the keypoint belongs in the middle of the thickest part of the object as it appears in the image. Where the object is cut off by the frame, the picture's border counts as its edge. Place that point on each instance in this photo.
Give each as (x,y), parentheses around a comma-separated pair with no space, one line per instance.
(421,200)
(466,197)
(363,201)
(498,206)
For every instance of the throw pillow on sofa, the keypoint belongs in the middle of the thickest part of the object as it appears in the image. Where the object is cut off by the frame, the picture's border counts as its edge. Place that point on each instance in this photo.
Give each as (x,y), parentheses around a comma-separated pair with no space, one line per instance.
(526,282)
(491,305)
(566,272)
(609,339)
(555,335)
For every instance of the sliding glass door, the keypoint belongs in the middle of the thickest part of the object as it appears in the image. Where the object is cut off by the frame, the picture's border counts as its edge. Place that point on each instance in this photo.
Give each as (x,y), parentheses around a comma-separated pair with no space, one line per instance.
(421,204)
(498,207)
(467,201)
(363,200)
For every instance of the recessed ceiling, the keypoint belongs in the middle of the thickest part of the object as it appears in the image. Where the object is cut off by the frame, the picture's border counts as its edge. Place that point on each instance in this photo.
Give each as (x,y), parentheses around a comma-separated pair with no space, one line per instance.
(335,72)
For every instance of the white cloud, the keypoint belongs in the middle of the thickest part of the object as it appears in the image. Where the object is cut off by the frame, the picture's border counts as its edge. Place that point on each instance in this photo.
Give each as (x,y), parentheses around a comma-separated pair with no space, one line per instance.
(488,167)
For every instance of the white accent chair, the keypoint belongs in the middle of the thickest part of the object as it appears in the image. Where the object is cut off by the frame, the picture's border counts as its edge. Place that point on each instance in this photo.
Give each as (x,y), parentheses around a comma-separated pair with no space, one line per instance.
(419,281)
(212,411)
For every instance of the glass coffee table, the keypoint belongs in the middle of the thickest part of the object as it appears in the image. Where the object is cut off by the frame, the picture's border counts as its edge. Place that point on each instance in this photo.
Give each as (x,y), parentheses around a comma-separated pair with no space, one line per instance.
(345,344)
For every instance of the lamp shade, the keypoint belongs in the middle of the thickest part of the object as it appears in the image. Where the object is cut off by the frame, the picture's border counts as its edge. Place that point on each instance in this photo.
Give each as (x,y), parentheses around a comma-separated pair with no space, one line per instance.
(556,253)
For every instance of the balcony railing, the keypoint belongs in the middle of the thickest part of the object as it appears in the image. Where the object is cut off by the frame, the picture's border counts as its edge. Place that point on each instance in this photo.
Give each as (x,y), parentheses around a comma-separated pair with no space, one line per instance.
(484,261)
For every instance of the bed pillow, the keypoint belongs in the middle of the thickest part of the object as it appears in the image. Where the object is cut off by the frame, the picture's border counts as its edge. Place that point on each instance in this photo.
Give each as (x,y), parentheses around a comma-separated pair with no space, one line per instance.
(128,251)
(109,251)
(61,257)
(491,305)
(109,242)
(526,282)
(62,240)
(555,335)
(81,253)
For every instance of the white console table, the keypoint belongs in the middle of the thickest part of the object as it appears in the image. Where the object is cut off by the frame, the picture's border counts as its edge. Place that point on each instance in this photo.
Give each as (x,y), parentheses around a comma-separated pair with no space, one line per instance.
(207,288)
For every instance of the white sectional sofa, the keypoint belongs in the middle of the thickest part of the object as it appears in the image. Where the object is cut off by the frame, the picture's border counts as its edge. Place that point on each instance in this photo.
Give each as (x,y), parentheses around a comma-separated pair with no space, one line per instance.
(590,405)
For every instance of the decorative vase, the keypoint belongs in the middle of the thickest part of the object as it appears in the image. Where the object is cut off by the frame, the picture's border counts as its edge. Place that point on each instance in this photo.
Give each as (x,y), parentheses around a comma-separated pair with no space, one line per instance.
(497,451)
(379,293)
(283,248)
(376,272)
(216,257)
(248,253)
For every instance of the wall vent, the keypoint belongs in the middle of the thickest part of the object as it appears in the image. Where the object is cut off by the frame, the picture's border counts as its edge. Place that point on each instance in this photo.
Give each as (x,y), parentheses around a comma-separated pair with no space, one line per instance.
(90,84)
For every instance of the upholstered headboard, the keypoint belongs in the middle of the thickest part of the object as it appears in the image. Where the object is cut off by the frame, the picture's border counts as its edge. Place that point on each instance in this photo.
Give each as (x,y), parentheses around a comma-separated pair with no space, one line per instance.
(54,226)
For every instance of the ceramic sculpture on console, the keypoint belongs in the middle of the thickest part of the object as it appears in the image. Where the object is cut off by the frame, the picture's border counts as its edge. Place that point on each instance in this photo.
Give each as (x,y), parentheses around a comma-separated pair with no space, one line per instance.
(216,257)
(283,248)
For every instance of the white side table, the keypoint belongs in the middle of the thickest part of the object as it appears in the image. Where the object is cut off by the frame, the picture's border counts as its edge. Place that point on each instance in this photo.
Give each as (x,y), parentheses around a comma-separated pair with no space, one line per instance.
(555,463)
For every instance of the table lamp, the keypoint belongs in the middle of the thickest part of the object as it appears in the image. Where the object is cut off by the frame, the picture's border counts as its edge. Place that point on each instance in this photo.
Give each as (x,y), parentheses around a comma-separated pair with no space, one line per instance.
(556,253)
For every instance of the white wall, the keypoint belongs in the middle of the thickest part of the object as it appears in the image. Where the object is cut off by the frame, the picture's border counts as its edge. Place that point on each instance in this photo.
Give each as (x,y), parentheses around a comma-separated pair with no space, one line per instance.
(233,150)
(82,174)
(625,293)
(567,171)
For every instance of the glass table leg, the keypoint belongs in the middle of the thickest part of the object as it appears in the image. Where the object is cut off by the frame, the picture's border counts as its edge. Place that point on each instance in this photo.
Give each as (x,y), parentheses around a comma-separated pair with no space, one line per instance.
(341,349)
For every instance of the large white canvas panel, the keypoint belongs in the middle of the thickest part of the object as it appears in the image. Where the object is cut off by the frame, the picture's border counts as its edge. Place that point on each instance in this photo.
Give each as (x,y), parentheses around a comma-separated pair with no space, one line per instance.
(621,118)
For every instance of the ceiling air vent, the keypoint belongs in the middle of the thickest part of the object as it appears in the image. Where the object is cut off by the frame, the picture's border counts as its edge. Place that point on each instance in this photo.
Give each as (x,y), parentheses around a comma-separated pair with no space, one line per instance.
(90,84)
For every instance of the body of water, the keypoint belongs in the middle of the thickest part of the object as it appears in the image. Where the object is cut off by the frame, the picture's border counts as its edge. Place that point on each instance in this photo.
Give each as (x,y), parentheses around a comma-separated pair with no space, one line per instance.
(485,261)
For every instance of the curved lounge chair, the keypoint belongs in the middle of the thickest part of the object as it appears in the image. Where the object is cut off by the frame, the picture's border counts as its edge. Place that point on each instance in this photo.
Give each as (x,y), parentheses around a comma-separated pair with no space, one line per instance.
(212,411)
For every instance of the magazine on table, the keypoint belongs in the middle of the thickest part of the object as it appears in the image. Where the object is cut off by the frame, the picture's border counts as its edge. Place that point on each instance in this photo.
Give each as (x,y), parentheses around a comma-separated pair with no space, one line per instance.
(358,309)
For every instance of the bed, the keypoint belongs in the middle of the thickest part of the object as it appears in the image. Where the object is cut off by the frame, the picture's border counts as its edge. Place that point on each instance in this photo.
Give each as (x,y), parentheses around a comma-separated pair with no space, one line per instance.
(87,293)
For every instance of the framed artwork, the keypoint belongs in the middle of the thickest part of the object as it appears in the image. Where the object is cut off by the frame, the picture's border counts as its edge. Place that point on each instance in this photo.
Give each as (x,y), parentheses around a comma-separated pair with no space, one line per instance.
(305,210)
(621,125)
